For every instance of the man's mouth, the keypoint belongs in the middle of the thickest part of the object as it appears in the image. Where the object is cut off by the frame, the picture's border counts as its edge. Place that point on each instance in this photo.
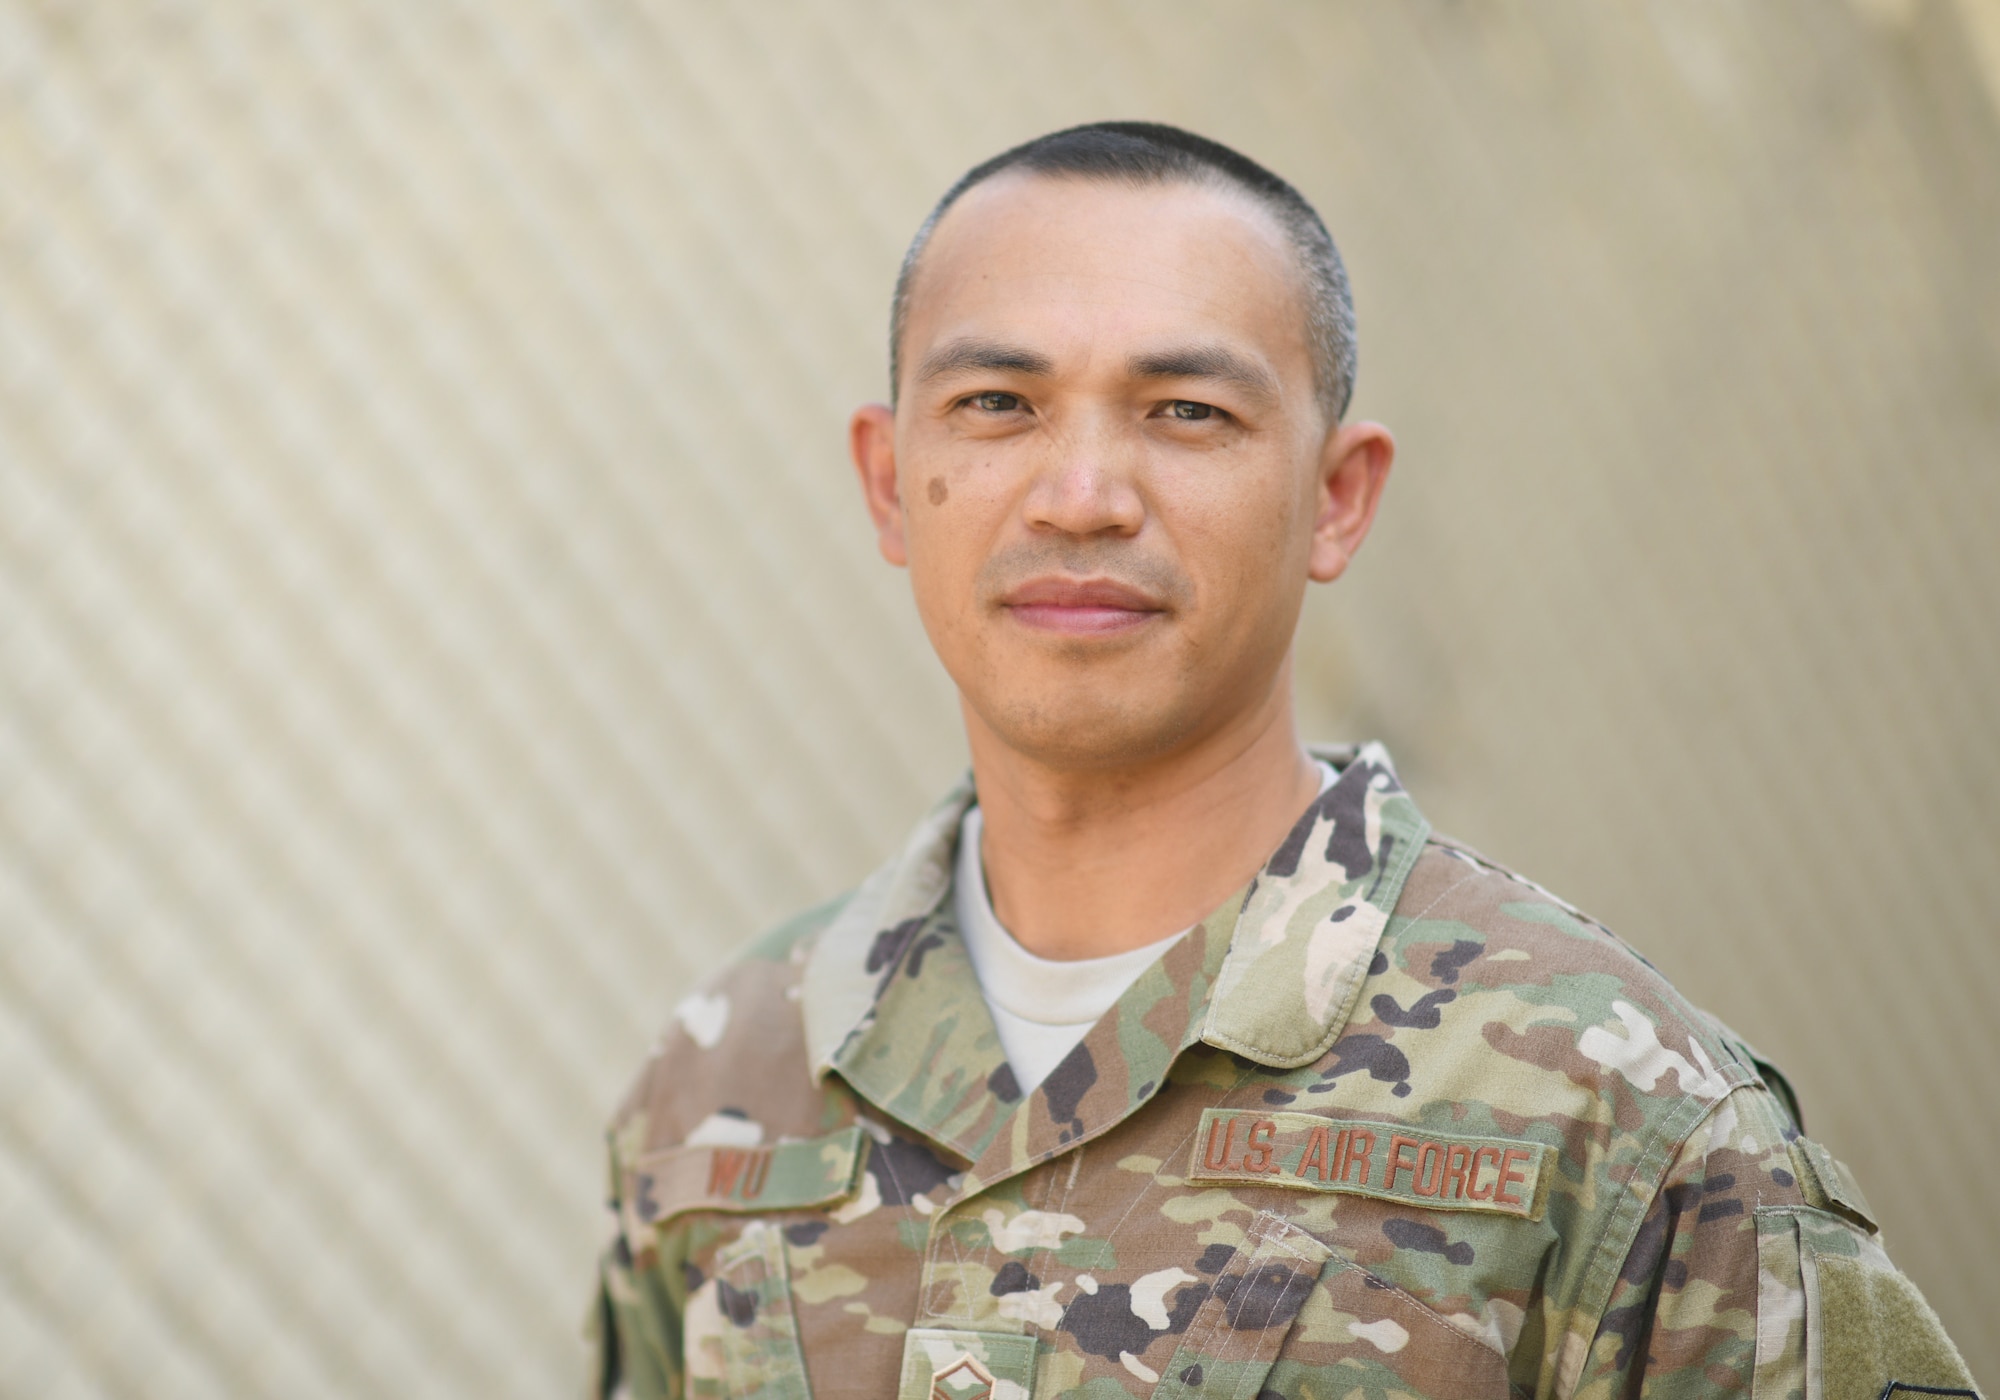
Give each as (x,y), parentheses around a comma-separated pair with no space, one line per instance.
(1080,607)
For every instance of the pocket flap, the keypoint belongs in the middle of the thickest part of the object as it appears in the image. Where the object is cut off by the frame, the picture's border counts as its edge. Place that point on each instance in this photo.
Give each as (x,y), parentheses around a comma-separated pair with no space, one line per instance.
(1828,1184)
(1243,1324)
(784,1176)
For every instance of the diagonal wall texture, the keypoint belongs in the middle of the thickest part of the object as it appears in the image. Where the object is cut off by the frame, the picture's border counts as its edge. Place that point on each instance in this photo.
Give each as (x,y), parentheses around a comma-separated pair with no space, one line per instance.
(436,624)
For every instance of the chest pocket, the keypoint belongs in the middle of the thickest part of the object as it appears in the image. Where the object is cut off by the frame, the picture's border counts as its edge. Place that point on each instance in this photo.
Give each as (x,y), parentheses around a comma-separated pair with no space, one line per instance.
(740,1336)
(739,1331)
(1296,1310)
(1243,1323)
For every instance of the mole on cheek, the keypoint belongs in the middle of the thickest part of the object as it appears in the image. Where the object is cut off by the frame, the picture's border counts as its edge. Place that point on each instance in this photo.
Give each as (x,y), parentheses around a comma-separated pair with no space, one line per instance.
(937,491)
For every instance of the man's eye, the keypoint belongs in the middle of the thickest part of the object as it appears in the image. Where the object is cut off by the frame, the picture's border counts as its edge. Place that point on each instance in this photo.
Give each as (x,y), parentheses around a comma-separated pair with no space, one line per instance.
(1190,412)
(996,403)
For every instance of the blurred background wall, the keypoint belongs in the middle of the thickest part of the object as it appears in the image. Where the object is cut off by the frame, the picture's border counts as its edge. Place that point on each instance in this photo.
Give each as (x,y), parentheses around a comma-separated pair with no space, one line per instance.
(436,623)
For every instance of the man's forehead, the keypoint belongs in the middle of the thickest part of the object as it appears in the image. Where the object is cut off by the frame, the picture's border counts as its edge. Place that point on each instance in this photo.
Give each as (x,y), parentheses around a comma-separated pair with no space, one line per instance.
(1023,245)
(1026,213)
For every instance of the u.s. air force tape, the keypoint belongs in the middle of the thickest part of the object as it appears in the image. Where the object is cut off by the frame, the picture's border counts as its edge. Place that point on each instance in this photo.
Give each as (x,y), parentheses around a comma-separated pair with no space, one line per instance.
(783,1176)
(1391,1161)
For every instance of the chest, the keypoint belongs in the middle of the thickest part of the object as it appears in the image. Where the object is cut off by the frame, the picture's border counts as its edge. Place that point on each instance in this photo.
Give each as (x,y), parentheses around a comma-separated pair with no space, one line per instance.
(1188,1250)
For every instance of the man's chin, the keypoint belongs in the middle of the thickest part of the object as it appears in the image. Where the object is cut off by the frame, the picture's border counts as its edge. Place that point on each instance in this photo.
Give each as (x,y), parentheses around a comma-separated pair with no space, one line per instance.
(1095,729)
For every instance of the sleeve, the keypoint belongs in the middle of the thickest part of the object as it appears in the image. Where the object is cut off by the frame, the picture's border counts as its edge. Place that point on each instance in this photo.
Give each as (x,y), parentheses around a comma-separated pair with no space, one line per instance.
(630,1334)
(1756,1271)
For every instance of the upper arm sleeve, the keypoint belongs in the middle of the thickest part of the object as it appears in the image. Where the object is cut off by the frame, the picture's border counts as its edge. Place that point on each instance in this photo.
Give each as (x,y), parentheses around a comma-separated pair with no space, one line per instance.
(1751,1275)
(633,1329)
(1685,1306)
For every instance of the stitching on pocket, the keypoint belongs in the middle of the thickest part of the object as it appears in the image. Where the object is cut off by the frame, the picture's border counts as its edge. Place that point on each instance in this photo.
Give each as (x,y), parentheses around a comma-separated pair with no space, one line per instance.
(1274,1236)
(757,1258)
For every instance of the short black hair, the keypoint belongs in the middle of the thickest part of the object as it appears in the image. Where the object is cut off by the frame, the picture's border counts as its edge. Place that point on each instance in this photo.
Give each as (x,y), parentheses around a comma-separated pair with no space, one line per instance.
(1151,153)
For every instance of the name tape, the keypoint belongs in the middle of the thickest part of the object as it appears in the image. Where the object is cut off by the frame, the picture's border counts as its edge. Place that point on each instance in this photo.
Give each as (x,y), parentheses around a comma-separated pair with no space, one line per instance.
(1389,1161)
(783,1176)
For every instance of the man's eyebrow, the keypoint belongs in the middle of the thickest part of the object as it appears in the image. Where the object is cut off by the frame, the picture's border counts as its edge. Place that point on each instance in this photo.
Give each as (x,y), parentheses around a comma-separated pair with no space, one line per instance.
(1206,362)
(983,354)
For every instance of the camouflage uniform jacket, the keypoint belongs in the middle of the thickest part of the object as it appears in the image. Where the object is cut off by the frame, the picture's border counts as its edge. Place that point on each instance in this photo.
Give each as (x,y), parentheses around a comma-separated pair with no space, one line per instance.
(1392,1123)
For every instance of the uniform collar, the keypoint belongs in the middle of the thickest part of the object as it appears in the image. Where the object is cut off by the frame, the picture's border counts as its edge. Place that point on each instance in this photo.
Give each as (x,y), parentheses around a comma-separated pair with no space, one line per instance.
(1314,915)
(1286,968)
(854,958)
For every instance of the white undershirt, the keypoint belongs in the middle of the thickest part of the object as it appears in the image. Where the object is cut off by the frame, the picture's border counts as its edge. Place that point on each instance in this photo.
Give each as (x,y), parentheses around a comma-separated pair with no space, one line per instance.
(1041,1007)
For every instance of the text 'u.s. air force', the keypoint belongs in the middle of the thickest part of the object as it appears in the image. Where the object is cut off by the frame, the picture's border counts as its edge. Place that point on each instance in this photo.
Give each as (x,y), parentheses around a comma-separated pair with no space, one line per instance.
(1391,1161)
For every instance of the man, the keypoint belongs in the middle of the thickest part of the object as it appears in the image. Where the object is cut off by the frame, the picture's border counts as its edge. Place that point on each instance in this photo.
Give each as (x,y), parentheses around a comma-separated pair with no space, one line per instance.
(1169,1058)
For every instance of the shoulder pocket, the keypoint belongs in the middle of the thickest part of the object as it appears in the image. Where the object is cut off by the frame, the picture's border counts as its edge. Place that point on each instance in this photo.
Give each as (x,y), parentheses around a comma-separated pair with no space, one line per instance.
(1826,1182)
(783,1176)
(1837,1321)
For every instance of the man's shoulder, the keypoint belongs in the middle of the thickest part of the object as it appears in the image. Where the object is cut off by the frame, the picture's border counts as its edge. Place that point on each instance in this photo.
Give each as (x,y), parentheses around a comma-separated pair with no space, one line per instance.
(1508,916)
(755,990)
(731,1041)
(1550,989)
(788,943)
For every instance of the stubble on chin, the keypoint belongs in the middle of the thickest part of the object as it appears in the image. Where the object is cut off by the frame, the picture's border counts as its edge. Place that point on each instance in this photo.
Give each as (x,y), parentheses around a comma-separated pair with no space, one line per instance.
(1068,709)
(1081,703)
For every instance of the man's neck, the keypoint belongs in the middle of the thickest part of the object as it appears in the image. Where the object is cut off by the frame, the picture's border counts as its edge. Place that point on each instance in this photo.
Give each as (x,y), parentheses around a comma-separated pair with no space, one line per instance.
(1085,864)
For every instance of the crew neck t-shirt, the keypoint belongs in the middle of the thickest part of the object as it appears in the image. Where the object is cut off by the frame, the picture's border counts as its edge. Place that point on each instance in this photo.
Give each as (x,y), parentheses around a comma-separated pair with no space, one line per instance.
(1042,1007)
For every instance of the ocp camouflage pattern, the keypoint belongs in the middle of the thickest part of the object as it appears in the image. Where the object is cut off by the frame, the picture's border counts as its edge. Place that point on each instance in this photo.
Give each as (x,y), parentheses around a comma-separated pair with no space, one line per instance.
(1393,1122)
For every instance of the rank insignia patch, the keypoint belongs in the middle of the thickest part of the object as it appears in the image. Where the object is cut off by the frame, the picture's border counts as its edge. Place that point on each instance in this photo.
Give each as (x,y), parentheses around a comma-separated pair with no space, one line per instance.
(962,1379)
(942,1363)
(1391,1161)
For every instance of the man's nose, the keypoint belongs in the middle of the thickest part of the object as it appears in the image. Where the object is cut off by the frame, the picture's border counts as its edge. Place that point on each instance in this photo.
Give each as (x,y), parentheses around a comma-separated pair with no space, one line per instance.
(1087,483)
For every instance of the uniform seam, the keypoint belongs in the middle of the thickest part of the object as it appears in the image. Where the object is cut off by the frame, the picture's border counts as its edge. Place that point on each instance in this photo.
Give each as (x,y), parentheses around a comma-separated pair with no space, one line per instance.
(1219,1312)
(1598,1294)
(1440,897)
(1192,1133)
(1152,1183)
(1515,877)
(1803,1208)
(1483,1343)
(1055,1199)
(1276,1242)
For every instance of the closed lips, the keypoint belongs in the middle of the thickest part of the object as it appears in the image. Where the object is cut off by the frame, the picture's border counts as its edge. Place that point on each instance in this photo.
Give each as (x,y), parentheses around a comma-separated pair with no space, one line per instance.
(1080,605)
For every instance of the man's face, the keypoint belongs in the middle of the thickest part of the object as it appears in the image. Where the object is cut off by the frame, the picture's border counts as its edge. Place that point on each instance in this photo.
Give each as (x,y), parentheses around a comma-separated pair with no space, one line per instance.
(1107,472)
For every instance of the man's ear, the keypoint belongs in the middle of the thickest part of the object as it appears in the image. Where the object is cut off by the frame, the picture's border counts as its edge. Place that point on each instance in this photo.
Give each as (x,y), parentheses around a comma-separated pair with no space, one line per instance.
(871,438)
(1353,469)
